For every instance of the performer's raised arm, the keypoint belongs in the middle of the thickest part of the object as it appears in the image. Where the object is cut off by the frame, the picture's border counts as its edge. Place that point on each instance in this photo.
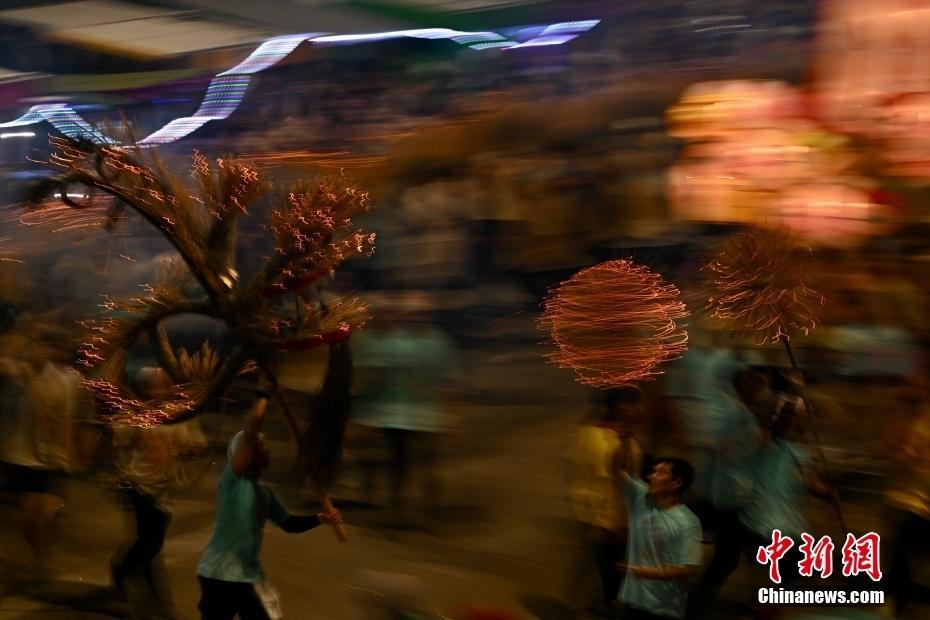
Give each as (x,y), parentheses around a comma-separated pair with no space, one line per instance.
(251,439)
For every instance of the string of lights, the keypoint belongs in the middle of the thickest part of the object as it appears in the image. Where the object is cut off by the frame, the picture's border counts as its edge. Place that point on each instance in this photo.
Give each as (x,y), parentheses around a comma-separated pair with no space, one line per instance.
(228,88)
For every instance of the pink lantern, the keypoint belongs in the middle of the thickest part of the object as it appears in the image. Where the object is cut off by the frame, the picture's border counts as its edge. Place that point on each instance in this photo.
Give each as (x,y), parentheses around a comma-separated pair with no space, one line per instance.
(867,52)
(702,191)
(906,132)
(767,158)
(714,109)
(830,213)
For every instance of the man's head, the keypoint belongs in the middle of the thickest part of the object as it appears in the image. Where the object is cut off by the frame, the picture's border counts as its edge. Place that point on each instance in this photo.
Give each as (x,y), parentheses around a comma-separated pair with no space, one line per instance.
(624,405)
(261,454)
(753,385)
(670,476)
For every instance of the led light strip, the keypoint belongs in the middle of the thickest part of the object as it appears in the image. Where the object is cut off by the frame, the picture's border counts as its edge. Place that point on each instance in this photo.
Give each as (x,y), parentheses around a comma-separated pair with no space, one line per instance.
(63,118)
(227,89)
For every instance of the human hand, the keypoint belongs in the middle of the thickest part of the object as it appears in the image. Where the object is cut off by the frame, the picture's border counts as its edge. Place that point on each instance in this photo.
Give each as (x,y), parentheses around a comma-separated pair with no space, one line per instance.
(332,517)
(267,383)
(795,377)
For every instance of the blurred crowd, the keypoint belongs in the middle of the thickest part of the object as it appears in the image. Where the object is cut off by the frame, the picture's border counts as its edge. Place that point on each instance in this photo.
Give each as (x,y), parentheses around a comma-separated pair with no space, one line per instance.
(495,177)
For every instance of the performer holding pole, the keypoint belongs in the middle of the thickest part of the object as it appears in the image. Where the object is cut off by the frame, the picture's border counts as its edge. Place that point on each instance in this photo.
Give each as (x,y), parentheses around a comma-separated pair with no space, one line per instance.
(230,574)
(759,285)
(312,231)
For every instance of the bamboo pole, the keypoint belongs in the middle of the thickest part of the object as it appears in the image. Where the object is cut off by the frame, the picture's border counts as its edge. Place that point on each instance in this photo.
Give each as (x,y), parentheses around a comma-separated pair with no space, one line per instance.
(834,497)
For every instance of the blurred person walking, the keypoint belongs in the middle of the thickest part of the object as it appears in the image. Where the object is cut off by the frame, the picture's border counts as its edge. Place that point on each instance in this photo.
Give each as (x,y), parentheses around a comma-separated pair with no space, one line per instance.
(40,398)
(231,577)
(734,438)
(406,367)
(594,494)
(769,493)
(149,465)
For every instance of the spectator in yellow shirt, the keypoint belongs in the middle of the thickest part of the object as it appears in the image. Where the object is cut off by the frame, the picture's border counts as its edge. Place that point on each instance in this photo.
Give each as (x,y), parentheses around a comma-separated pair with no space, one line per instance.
(594,494)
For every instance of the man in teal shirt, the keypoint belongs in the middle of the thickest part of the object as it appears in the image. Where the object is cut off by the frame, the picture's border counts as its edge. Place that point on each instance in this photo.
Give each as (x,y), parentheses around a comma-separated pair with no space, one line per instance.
(664,543)
(230,568)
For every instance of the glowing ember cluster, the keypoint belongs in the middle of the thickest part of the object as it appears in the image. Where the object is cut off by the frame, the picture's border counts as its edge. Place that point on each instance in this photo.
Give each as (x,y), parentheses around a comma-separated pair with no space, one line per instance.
(236,185)
(314,225)
(614,323)
(759,285)
(118,405)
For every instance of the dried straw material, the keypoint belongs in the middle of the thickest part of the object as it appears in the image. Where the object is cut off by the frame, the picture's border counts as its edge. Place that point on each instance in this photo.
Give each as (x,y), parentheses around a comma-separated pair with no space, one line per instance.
(311,224)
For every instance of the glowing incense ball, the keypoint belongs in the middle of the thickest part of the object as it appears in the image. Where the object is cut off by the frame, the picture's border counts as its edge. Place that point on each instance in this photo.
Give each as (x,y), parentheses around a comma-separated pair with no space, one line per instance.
(758,285)
(614,323)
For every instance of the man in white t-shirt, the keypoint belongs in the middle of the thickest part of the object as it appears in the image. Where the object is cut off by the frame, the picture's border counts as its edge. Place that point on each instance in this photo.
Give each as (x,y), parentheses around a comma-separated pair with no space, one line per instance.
(664,542)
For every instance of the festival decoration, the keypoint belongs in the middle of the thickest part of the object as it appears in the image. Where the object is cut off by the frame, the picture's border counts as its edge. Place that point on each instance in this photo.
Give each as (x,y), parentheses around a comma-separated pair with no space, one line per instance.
(279,308)
(614,323)
(867,54)
(858,121)
(757,156)
(759,285)
(833,214)
(903,130)
(713,109)
(227,89)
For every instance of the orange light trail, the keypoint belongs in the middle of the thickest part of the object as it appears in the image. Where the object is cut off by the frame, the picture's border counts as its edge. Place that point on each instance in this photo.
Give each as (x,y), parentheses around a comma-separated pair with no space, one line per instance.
(310,158)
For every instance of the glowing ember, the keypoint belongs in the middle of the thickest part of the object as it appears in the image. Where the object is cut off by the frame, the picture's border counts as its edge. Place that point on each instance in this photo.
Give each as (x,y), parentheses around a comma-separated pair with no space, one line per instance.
(614,323)
(759,285)
(120,407)
(313,227)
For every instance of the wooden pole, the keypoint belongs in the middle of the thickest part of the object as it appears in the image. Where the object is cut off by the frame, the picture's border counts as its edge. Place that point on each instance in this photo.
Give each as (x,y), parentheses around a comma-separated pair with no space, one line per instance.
(338,528)
(834,497)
